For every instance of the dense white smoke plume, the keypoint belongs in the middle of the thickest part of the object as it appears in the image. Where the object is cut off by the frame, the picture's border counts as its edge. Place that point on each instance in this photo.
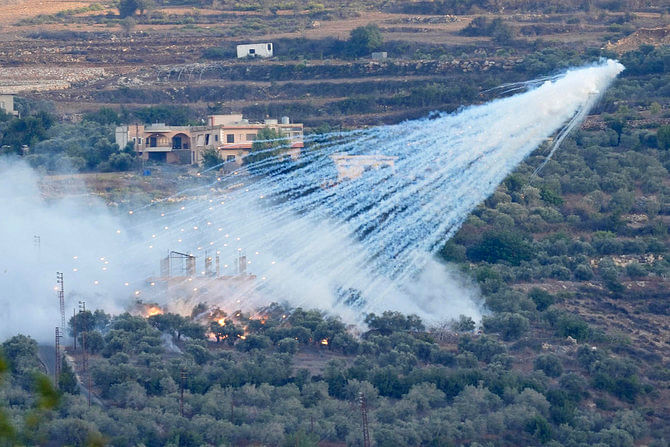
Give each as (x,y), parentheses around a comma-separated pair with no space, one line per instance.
(310,238)
(38,239)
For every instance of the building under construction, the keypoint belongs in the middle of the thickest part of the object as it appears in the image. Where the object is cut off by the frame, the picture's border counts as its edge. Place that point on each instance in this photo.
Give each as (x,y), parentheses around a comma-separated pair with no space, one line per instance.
(187,280)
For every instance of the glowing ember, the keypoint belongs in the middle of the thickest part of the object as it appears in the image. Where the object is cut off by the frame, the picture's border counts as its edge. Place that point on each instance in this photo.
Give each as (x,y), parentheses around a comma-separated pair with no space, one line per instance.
(324,342)
(222,321)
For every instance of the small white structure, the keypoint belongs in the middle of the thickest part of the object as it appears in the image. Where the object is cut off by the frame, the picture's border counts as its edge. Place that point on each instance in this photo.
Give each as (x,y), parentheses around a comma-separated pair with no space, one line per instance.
(351,167)
(7,104)
(255,50)
(379,55)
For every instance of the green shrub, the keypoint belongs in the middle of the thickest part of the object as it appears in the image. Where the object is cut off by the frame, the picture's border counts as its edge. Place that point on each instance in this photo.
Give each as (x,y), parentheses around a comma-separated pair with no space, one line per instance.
(569,325)
(463,324)
(484,348)
(288,345)
(663,137)
(509,325)
(509,246)
(364,40)
(636,270)
(541,298)
(251,342)
(583,272)
(217,53)
(549,364)
(540,428)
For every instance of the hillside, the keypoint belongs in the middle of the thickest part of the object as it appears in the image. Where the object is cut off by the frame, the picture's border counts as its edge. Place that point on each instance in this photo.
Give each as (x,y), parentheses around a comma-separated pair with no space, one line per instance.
(185,55)
(572,262)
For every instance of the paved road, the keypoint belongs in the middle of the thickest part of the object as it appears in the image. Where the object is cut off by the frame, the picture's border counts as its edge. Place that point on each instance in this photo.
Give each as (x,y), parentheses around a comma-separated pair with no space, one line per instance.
(47,355)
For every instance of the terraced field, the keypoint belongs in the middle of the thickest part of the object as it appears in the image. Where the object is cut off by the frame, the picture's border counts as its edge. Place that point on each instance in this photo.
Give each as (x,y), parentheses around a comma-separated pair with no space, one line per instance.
(81,59)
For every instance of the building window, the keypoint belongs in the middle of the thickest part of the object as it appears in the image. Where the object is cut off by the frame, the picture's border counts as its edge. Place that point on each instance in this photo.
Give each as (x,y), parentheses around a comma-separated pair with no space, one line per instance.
(206,139)
(252,51)
(230,158)
(139,140)
(216,138)
(269,47)
(230,138)
(251,136)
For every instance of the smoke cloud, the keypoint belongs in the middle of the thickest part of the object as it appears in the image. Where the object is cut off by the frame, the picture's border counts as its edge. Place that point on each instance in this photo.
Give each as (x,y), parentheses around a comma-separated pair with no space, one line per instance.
(39,237)
(305,235)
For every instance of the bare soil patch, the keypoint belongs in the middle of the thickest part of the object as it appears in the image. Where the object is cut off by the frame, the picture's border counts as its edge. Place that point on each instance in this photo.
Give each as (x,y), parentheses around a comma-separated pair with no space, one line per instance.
(12,11)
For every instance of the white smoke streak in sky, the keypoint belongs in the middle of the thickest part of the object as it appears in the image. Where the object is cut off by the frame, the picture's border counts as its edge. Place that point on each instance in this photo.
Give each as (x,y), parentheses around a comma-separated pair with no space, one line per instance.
(349,247)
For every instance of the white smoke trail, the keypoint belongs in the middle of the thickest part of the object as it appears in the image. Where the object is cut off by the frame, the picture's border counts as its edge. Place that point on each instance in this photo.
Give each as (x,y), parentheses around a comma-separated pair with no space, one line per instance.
(348,247)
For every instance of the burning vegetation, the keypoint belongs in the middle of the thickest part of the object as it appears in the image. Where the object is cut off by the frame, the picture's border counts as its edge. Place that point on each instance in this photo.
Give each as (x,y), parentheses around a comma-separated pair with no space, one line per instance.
(146,310)
(237,324)
(267,326)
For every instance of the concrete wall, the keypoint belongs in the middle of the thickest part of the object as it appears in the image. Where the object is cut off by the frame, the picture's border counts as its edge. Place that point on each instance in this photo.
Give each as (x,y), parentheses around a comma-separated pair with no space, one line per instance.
(121,136)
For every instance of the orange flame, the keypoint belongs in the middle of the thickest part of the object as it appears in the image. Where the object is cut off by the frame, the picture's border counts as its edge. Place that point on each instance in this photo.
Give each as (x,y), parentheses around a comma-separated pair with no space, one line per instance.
(221,321)
(324,342)
(154,310)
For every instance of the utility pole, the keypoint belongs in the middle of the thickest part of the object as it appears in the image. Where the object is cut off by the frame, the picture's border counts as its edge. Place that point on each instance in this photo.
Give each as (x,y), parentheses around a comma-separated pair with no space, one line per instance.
(84,359)
(89,389)
(59,330)
(82,308)
(74,327)
(364,418)
(183,376)
(57,366)
(61,299)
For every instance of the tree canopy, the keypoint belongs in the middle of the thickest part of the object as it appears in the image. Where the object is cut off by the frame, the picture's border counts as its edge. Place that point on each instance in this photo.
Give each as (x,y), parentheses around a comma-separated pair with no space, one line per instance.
(364,40)
(270,145)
